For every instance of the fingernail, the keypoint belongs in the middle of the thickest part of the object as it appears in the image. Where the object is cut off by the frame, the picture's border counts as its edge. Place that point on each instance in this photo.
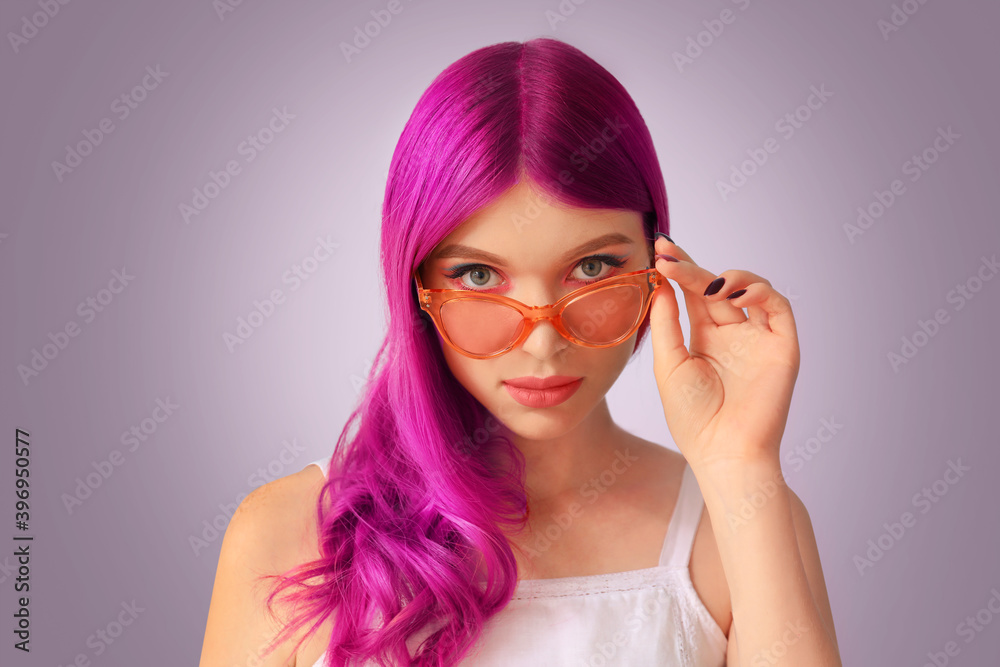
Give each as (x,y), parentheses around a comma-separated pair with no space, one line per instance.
(737,293)
(659,234)
(669,258)
(714,286)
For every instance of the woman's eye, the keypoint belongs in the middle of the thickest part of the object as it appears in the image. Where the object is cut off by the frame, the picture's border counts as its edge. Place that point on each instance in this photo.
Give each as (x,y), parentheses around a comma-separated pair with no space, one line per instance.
(472,276)
(479,277)
(591,267)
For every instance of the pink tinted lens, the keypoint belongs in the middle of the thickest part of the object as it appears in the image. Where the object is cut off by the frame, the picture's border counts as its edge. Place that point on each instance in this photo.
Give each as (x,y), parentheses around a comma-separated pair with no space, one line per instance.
(480,327)
(604,316)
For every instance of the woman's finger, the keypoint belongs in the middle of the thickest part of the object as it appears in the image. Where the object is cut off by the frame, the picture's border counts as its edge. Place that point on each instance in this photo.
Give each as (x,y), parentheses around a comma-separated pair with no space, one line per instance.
(767,307)
(694,281)
(735,284)
(669,350)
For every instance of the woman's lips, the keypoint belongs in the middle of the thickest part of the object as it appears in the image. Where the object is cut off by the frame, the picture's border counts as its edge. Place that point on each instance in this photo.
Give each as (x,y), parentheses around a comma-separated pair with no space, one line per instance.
(542,398)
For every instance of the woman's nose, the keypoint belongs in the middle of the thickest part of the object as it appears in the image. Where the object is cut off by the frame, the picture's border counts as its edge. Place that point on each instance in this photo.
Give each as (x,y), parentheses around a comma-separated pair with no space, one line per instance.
(544,341)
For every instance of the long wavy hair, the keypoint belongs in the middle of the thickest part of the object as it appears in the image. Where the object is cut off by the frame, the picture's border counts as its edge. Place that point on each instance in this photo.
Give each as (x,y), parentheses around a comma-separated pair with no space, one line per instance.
(416,509)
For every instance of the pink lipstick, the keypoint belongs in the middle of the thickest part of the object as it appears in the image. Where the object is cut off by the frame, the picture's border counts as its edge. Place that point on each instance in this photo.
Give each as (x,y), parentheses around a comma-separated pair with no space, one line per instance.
(535,392)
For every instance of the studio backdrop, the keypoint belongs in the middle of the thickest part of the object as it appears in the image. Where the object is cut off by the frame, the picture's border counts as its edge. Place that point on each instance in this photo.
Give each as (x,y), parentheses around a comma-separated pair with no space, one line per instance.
(190,294)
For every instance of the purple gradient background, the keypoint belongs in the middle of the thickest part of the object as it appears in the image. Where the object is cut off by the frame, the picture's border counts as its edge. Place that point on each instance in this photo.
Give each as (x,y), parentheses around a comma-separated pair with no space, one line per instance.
(295,378)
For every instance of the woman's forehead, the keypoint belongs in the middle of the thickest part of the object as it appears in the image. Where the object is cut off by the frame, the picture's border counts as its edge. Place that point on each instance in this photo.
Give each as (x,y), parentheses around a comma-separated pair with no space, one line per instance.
(554,231)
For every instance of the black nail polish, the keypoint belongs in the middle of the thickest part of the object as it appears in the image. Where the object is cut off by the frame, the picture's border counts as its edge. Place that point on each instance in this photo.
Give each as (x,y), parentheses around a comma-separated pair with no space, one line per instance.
(659,234)
(738,293)
(715,286)
(669,258)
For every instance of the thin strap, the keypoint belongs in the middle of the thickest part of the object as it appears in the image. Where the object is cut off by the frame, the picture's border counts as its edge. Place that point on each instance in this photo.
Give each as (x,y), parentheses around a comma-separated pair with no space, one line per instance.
(683,523)
(323,464)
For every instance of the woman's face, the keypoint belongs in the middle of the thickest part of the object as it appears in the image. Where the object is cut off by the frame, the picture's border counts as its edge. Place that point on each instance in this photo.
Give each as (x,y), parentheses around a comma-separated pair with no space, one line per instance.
(538,253)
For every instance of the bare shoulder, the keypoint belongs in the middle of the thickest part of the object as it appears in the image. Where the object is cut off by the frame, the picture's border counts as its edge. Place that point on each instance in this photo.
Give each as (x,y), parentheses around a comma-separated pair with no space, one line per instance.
(285,506)
(273,530)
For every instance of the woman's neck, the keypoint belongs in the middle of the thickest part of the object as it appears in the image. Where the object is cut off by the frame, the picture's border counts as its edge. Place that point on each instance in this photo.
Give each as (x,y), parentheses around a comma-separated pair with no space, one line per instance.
(557,468)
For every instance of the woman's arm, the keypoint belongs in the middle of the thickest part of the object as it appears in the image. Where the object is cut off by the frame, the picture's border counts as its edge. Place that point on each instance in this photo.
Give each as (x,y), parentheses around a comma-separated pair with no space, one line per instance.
(726,403)
(769,554)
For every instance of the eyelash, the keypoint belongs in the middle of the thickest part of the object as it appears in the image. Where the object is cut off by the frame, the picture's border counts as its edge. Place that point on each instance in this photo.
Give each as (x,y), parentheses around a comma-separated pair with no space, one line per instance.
(612,260)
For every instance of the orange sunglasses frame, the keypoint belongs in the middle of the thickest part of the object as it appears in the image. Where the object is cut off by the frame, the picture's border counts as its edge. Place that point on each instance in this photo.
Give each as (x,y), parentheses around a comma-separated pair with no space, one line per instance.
(431,300)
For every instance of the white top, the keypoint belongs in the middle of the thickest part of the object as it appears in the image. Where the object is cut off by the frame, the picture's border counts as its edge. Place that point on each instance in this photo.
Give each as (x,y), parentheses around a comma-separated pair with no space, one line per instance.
(638,618)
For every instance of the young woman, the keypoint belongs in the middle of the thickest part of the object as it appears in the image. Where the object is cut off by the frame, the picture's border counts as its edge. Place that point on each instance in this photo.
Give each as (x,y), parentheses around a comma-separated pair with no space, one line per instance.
(487,509)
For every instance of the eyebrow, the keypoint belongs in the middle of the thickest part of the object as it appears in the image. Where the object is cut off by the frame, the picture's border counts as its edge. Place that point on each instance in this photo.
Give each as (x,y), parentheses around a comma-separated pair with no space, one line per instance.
(459,250)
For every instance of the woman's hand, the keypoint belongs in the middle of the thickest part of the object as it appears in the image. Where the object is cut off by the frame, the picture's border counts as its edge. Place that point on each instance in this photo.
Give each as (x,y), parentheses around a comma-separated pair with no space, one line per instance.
(727,398)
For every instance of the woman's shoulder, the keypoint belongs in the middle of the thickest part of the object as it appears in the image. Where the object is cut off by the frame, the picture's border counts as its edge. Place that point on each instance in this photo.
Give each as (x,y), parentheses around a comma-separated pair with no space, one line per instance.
(284,507)
(272,497)
(273,530)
